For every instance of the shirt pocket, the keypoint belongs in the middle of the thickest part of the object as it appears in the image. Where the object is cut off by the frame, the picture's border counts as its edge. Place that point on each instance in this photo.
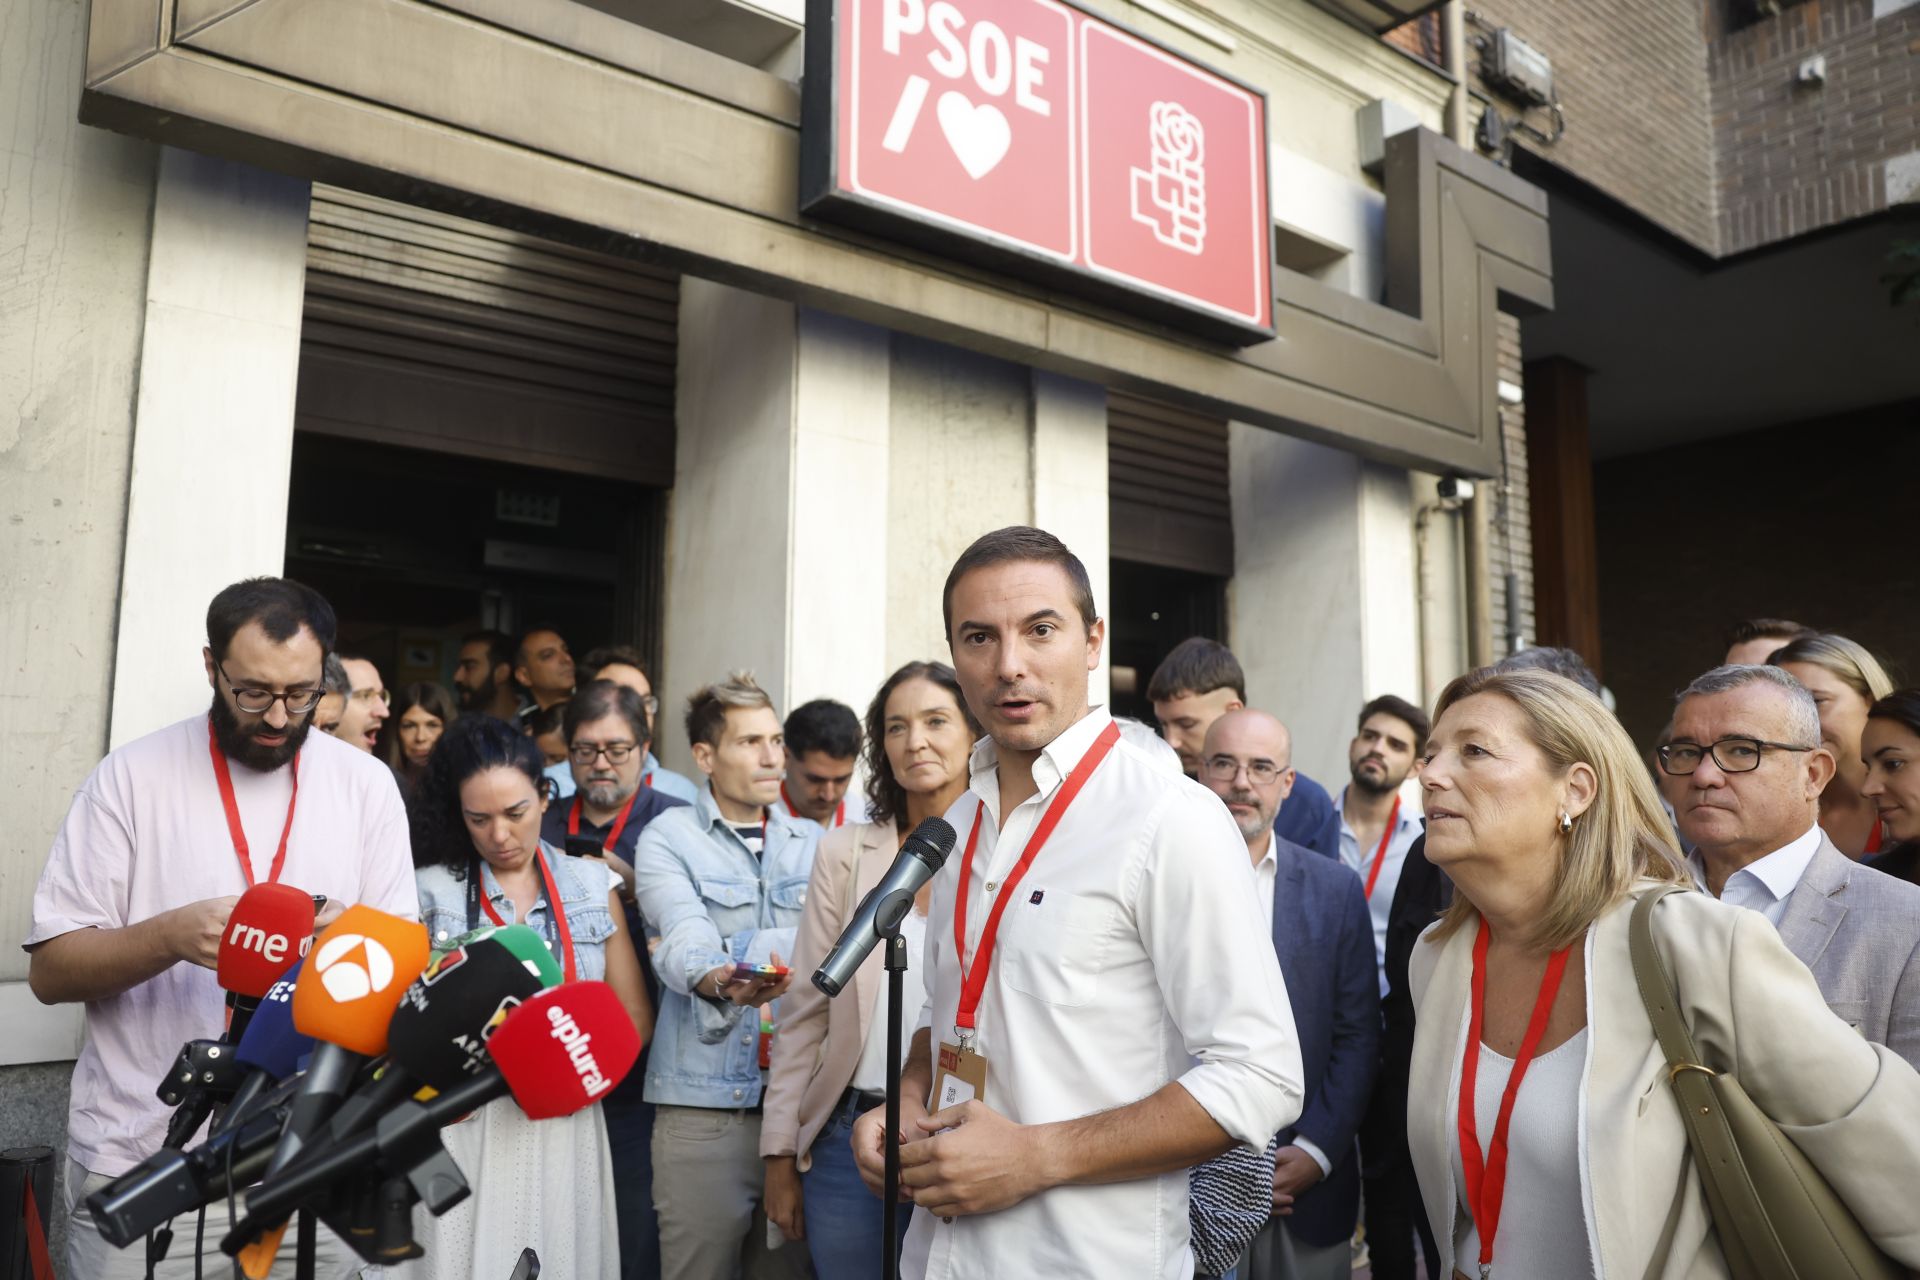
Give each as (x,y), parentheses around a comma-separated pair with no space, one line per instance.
(1055,949)
(444,924)
(789,898)
(590,923)
(730,902)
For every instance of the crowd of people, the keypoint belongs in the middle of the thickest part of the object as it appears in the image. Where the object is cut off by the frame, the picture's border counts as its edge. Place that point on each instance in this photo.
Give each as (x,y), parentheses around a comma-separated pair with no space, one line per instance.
(1173,1006)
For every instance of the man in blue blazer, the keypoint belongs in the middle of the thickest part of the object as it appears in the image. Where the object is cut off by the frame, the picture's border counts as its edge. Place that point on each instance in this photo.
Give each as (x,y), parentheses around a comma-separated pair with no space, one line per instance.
(1324,938)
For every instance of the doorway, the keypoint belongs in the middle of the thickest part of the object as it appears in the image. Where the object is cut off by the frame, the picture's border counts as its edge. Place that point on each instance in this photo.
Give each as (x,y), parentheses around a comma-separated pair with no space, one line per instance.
(1153,608)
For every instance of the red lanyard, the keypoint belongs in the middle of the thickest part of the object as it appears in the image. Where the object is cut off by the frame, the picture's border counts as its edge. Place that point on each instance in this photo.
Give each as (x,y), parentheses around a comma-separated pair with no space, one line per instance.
(1380,854)
(1875,837)
(613,832)
(224,776)
(553,903)
(1487,1186)
(646,779)
(973,979)
(839,813)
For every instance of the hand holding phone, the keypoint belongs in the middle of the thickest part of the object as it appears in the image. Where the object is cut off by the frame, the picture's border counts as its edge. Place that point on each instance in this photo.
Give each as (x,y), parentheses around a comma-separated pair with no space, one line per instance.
(752,972)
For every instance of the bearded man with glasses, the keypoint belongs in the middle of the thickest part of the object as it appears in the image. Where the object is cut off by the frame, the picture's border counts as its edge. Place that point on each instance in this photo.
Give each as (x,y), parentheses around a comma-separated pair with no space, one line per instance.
(1746,742)
(162,838)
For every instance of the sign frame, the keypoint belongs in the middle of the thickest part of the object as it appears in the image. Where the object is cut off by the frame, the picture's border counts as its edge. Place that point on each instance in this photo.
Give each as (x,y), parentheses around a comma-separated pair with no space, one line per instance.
(825,197)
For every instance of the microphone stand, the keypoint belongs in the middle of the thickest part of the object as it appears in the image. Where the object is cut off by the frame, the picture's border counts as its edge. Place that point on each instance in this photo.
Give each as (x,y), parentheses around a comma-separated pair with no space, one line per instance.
(890,1213)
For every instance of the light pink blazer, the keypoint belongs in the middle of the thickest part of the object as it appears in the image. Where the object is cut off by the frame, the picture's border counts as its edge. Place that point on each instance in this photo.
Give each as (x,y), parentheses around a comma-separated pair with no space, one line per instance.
(819,1041)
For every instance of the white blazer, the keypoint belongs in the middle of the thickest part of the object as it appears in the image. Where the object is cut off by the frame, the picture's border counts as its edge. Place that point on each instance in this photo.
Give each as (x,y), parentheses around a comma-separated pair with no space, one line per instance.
(1852,1107)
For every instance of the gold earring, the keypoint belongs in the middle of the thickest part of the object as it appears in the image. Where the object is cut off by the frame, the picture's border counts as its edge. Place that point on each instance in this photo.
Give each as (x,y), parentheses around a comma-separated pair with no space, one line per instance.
(1566,822)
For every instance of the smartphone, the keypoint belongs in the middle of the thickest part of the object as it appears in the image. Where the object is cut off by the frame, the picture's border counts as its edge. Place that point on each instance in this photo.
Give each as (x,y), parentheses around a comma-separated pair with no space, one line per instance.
(585,847)
(742,972)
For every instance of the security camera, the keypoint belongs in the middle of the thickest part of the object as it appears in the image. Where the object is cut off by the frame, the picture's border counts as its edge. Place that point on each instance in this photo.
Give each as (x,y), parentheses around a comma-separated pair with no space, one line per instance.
(1455,489)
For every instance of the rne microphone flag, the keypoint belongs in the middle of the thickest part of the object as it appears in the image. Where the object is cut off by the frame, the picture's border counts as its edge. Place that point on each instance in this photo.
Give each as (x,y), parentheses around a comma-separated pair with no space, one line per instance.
(565,1048)
(267,933)
(354,976)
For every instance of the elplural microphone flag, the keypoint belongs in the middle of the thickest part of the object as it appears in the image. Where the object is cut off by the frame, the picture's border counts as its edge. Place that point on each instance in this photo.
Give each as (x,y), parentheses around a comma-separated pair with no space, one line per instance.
(879,913)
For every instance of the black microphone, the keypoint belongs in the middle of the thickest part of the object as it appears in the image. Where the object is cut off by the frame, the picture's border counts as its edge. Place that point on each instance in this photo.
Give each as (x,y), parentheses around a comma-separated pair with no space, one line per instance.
(880,912)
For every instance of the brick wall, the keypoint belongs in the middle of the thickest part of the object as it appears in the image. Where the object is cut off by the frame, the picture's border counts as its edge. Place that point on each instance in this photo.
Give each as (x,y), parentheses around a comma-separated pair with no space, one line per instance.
(1794,158)
(1510,541)
(1632,78)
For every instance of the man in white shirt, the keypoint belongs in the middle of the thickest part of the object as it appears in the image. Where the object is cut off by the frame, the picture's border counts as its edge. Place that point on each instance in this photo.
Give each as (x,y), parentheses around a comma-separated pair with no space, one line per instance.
(136,893)
(1123,1015)
(1746,740)
(1376,828)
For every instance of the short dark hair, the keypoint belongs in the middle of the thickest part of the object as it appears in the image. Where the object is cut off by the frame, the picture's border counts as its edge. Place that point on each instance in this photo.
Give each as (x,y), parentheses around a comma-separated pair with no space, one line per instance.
(886,798)
(542,721)
(1562,662)
(607,655)
(1400,709)
(470,745)
(598,699)
(1196,665)
(825,726)
(281,606)
(501,649)
(1020,542)
(707,708)
(1781,629)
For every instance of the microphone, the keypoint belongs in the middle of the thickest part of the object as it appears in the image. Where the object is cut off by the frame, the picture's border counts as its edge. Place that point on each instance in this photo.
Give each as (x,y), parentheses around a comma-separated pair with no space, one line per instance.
(270,1051)
(269,930)
(879,913)
(560,1051)
(352,980)
(531,949)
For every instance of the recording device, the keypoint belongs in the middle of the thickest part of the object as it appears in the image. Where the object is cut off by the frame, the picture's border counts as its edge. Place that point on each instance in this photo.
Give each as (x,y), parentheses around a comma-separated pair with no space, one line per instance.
(880,912)
(558,1052)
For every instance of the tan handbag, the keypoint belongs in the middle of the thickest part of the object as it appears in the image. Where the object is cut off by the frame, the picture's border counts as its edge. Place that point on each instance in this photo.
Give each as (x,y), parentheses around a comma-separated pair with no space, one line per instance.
(1776,1217)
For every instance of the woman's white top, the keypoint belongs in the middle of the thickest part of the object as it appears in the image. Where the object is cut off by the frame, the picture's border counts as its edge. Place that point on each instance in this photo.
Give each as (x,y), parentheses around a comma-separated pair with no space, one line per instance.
(1543,1216)
(870,1073)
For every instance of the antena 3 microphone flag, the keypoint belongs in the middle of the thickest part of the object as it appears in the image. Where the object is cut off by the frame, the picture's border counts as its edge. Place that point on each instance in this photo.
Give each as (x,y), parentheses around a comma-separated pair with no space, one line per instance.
(565,1048)
(355,975)
(267,933)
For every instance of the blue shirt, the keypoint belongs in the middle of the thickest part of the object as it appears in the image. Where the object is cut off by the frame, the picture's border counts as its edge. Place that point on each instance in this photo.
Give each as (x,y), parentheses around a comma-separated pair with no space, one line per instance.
(654,774)
(582,884)
(714,903)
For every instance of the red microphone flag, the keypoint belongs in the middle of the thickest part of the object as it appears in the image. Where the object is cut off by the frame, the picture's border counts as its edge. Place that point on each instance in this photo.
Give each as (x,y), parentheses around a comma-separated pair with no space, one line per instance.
(269,930)
(355,975)
(565,1048)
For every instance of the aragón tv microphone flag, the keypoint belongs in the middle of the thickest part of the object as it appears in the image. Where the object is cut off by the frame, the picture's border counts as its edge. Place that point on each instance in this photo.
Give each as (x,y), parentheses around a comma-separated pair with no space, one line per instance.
(560,1051)
(268,932)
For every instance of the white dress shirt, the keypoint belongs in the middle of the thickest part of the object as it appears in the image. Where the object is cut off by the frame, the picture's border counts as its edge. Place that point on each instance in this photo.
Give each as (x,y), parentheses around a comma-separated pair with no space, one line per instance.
(1406,829)
(1764,884)
(1131,955)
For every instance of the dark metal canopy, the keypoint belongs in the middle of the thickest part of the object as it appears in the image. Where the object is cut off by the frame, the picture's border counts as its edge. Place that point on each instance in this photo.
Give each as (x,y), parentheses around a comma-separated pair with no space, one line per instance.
(1379,16)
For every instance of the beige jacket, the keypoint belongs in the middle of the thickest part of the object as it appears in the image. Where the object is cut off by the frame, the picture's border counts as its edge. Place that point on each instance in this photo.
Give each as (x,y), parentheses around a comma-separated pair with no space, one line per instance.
(819,1041)
(1852,1107)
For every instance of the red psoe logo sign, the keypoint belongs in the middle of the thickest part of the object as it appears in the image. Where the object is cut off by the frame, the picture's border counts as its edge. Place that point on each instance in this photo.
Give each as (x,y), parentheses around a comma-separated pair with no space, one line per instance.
(1032,136)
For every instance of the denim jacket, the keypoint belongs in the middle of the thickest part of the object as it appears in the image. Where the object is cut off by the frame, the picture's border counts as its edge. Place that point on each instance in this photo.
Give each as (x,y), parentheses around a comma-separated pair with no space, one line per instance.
(581,883)
(713,904)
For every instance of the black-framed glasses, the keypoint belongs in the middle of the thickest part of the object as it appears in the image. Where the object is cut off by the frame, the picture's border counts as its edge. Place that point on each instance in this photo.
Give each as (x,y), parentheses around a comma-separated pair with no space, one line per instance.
(615,752)
(1730,755)
(1260,773)
(256,701)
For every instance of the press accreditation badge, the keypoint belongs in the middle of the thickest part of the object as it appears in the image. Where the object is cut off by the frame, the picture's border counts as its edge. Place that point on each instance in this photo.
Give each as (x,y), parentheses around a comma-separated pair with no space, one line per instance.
(960,1077)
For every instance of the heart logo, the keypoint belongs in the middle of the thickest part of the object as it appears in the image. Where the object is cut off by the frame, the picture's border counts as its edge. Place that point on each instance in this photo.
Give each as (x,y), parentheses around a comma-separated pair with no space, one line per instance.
(978,135)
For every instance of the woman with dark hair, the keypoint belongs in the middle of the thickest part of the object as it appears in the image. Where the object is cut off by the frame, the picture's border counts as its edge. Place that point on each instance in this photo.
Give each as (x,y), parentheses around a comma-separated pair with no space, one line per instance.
(1890,747)
(829,1058)
(421,714)
(475,817)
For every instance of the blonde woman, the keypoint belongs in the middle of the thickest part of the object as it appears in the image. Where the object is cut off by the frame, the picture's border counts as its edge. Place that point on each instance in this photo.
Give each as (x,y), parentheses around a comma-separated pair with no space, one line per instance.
(1844,680)
(1541,812)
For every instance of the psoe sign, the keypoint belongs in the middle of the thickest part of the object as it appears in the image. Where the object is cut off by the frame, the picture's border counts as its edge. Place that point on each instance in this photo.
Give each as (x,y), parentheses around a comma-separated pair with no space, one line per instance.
(1033,136)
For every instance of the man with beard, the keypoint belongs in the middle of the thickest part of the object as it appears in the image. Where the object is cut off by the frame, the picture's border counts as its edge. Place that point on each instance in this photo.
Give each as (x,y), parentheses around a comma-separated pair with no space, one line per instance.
(1376,830)
(483,676)
(607,734)
(161,840)
(544,668)
(366,708)
(1324,940)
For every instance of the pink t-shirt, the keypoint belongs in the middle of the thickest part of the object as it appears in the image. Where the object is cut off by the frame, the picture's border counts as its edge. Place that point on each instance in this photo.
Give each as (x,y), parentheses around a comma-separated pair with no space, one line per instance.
(147,833)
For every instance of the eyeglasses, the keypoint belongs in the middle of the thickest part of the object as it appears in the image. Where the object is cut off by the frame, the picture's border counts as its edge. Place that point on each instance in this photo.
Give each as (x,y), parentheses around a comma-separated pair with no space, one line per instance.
(588,752)
(1260,773)
(1731,755)
(256,701)
(380,696)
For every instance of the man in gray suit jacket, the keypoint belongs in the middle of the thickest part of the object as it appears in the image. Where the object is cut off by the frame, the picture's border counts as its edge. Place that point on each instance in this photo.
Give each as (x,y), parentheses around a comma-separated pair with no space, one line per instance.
(1747,742)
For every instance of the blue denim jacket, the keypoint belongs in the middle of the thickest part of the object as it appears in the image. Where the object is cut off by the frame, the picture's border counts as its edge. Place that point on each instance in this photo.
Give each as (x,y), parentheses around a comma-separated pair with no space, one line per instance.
(714,904)
(581,883)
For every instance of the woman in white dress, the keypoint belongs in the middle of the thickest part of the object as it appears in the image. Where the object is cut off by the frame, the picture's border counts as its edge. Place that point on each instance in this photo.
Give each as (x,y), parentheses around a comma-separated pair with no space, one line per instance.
(548,1184)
